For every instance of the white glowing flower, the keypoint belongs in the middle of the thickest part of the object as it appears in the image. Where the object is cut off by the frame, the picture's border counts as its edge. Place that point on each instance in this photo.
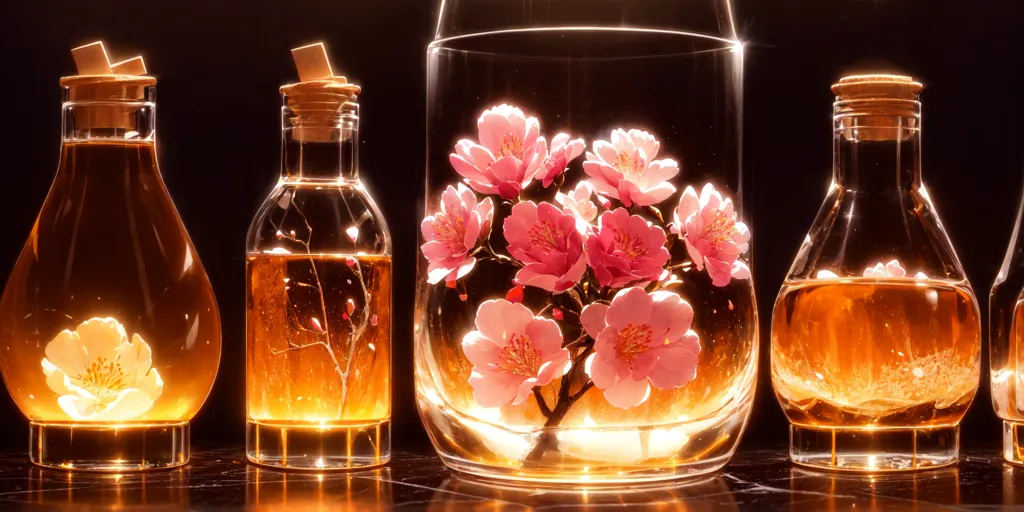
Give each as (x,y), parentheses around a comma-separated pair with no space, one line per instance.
(99,374)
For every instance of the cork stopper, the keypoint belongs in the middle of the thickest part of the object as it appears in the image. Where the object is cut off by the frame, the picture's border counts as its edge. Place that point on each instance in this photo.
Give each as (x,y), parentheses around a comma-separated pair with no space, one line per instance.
(877,107)
(100,80)
(859,87)
(320,96)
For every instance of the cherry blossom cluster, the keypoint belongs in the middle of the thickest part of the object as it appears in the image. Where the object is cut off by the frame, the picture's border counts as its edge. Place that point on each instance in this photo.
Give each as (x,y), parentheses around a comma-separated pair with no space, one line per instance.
(593,243)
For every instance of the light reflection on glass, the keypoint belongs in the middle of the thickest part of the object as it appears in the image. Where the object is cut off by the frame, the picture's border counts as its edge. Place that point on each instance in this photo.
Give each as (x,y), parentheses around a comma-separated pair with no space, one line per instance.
(461,493)
(274,491)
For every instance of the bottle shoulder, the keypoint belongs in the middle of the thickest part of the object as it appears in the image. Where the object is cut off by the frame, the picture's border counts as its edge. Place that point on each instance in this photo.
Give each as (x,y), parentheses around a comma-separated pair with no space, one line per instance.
(855,231)
(328,217)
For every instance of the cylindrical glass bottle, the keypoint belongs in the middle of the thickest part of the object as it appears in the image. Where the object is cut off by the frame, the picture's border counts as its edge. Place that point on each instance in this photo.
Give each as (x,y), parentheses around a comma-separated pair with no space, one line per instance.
(1006,343)
(318,304)
(876,332)
(108,324)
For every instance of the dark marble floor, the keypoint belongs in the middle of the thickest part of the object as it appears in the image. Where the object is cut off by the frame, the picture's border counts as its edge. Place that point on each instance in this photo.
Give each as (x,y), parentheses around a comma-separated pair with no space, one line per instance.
(755,480)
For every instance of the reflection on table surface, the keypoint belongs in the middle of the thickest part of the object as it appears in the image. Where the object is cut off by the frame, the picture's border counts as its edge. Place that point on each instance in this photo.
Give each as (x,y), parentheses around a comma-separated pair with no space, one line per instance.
(460,493)
(758,479)
(812,490)
(157,491)
(268,490)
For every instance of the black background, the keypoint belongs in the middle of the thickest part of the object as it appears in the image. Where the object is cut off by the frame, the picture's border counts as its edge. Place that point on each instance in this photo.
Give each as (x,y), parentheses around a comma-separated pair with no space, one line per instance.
(220,63)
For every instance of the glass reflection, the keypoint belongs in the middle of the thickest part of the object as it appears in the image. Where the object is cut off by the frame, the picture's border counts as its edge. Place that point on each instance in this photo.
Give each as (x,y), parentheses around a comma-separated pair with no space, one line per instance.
(163,490)
(273,491)
(826,492)
(462,493)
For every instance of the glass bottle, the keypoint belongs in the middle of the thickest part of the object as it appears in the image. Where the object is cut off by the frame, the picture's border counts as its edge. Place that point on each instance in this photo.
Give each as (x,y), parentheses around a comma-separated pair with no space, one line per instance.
(876,332)
(318,296)
(108,325)
(1006,342)
(577,168)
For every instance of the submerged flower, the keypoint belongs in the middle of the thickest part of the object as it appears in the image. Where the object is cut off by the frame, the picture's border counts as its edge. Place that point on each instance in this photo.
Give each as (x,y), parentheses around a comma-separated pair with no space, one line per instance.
(99,374)
(578,203)
(546,240)
(562,152)
(625,169)
(891,269)
(512,351)
(641,340)
(452,232)
(624,249)
(713,237)
(507,157)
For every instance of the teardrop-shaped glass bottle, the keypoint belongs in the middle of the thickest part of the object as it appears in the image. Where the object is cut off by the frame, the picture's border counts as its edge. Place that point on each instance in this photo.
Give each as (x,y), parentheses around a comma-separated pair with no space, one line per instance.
(876,331)
(108,325)
(318,297)
(1006,344)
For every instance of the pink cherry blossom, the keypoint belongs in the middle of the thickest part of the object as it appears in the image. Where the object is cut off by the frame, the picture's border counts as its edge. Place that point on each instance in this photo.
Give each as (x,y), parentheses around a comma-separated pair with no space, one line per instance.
(641,340)
(577,202)
(453,232)
(714,239)
(624,249)
(512,351)
(546,240)
(562,152)
(508,156)
(891,269)
(625,169)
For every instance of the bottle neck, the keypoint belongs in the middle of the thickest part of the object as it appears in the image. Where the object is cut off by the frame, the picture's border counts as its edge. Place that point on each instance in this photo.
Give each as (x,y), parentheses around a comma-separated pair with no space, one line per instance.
(876,153)
(320,145)
(108,120)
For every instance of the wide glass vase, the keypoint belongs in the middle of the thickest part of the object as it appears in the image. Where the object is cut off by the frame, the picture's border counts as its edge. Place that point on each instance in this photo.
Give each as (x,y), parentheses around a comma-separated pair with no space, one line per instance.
(876,333)
(1006,344)
(109,328)
(586,312)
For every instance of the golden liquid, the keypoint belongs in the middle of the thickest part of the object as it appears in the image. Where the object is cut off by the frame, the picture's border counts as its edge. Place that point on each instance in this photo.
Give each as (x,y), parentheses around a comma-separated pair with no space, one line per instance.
(1007,376)
(318,338)
(109,243)
(875,352)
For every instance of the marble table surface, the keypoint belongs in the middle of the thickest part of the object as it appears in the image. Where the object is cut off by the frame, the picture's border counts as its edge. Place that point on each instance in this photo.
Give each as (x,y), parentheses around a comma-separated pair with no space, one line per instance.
(218,479)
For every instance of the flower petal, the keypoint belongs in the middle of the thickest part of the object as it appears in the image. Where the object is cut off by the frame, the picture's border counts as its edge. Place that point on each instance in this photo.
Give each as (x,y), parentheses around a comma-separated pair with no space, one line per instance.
(592,319)
(628,393)
(493,388)
(677,363)
(480,350)
(630,306)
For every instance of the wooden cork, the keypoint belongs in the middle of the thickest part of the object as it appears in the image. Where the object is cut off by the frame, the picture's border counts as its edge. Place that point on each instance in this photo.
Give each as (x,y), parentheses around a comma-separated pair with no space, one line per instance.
(878,107)
(320,96)
(100,80)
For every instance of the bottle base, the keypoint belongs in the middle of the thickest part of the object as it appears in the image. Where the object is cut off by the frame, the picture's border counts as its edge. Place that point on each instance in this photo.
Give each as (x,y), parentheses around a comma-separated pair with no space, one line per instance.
(109,448)
(1013,442)
(315,447)
(874,449)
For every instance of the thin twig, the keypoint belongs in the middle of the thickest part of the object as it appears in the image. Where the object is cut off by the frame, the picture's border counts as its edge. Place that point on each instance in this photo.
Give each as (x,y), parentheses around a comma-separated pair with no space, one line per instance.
(541,403)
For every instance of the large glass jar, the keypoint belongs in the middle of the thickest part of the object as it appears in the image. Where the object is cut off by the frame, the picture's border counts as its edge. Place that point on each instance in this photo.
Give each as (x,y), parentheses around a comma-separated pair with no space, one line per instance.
(109,328)
(586,302)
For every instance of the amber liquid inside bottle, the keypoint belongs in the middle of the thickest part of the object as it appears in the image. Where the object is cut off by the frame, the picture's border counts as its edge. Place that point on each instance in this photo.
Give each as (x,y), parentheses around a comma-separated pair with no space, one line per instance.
(865,353)
(108,248)
(1007,380)
(324,365)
